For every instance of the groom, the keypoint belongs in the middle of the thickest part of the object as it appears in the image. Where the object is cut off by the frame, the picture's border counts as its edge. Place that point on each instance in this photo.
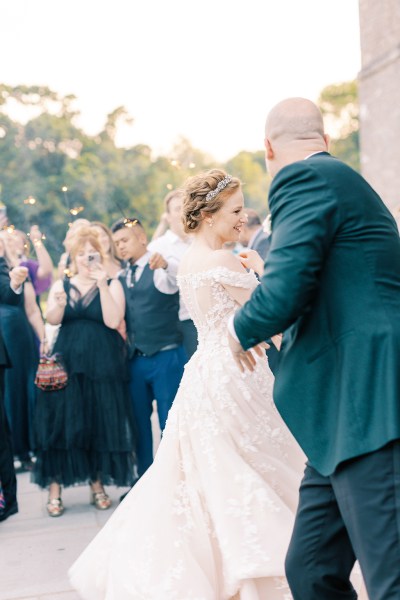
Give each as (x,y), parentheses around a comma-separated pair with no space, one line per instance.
(332,285)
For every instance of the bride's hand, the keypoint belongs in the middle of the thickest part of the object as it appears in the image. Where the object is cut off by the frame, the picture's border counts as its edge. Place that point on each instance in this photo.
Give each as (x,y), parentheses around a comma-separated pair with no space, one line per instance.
(277,340)
(250,259)
(245,359)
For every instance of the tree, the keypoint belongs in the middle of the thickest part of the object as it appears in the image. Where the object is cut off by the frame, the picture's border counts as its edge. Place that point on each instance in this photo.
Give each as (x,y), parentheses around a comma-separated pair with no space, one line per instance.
(339,105)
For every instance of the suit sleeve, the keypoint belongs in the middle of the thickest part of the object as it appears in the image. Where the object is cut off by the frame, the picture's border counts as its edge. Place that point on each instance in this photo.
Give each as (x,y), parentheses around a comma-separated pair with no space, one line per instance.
(304,222)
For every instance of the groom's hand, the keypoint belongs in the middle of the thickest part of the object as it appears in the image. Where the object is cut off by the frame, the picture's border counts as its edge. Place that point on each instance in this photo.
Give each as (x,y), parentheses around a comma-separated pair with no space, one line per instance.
(245,359)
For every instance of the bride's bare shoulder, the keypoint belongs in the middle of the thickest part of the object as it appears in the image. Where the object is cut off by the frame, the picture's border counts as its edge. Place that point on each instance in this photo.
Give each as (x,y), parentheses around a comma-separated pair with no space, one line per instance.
(193,263)
(225,258)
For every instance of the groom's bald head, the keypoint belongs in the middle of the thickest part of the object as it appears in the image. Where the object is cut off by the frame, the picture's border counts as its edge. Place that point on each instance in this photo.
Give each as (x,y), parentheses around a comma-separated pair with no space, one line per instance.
(294,128)
(294,119)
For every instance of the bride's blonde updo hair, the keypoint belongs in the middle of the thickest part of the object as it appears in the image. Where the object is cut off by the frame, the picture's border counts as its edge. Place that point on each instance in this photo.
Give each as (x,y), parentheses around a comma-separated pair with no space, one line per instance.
(205,193)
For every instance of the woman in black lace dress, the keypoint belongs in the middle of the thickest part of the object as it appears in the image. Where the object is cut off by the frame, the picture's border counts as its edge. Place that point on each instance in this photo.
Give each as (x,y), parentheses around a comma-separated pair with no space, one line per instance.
(84,432)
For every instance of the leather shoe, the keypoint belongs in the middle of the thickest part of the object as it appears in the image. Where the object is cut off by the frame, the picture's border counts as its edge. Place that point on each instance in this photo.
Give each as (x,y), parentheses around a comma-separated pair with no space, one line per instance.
(12,509)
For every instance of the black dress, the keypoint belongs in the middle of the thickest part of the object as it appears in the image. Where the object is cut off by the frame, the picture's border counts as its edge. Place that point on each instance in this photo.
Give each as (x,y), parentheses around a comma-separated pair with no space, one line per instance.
(85,432)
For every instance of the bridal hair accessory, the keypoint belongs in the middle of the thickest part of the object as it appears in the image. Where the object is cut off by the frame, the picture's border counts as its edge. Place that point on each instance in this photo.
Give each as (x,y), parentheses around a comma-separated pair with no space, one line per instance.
(222,184)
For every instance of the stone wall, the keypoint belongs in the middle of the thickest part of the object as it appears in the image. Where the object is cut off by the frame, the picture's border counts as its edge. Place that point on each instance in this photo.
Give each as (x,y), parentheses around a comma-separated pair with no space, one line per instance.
(379,94)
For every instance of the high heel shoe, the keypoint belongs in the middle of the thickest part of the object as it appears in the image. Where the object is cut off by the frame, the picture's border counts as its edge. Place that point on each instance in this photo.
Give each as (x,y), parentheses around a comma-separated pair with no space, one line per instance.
(55,507)
(100,500)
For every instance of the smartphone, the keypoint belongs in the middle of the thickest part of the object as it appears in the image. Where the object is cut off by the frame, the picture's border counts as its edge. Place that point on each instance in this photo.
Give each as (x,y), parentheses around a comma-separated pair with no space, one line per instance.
(93,259)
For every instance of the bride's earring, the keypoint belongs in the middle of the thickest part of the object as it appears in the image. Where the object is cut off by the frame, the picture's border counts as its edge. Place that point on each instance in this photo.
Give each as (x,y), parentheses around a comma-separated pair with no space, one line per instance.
(210,223)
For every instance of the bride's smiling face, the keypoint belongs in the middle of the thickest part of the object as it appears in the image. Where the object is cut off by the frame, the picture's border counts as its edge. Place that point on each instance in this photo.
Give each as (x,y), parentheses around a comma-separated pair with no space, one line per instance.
(229,220)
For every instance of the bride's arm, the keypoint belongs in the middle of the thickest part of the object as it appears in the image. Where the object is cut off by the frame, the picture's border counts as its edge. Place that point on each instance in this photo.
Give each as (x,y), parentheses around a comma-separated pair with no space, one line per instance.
(225,258)
(242,294)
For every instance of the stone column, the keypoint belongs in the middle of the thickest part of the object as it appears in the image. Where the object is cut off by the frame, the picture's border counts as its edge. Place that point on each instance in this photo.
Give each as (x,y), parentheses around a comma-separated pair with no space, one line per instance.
(379,95)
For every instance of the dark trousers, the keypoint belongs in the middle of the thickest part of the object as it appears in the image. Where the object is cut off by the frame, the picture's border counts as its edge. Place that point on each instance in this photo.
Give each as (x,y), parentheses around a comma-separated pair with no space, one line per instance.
(189,332)
(354,513)
(157,378)
(7,472)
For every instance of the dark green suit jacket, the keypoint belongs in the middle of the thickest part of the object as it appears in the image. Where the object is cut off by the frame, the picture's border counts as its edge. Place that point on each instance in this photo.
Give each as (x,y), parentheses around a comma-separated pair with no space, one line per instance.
(332,285)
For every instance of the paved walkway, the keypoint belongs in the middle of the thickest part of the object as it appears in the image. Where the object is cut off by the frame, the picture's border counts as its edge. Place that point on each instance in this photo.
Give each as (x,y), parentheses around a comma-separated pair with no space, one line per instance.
(37,550)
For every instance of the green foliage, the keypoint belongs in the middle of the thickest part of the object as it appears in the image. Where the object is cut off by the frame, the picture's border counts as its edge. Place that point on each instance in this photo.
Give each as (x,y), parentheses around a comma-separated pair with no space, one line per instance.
(250,168)
(340,107)
(49,153)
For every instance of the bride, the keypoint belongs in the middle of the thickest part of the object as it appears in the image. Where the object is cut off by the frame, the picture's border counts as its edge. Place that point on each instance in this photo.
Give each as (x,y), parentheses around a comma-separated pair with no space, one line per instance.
(212,518)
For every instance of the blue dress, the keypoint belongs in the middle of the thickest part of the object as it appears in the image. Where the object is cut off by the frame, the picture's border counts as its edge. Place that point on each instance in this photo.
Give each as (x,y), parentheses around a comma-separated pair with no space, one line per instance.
(19,387)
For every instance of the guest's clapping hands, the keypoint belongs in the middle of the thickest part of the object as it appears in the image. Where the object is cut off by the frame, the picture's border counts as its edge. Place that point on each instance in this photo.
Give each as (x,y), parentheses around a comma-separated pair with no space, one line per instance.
(250,259)
(18,276)
(157,261)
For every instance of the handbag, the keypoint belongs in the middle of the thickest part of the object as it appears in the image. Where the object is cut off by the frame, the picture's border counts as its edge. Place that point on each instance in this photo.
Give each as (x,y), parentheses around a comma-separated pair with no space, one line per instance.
(51,374)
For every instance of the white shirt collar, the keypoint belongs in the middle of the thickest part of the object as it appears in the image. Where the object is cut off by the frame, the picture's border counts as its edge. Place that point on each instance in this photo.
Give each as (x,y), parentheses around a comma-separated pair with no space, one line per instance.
(143,260)
(313,153)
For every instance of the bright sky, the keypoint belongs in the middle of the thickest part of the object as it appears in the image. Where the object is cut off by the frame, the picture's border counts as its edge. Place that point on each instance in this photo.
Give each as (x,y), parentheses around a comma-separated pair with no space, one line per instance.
(208,70)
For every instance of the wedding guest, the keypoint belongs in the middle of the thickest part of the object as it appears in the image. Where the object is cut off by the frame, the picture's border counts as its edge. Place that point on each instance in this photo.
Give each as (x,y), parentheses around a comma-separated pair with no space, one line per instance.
(65,260)
(112,263)
(41,268)
(253,235)
(174,243)
(10,284)
(156,354)
(24,336)
(84,433)
(332,285)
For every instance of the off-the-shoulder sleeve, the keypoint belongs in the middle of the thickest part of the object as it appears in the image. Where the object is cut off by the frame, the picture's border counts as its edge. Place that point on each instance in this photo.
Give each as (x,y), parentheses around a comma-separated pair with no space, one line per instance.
(228,277)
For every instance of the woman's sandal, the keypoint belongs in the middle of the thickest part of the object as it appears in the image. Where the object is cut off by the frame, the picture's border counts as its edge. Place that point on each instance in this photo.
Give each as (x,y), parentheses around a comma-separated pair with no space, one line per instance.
(100,500)
(55,507)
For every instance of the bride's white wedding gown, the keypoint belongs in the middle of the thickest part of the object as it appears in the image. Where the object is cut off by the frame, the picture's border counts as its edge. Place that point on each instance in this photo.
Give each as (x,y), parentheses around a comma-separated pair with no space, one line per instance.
(212,517)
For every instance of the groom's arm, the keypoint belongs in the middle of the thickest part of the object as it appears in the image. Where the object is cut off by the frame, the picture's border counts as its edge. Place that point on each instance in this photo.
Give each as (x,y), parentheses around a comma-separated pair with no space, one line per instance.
(305,219)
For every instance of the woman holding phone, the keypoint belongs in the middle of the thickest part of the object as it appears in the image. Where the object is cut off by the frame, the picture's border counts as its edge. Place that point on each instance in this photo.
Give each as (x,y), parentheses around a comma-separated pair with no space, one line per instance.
(84,433)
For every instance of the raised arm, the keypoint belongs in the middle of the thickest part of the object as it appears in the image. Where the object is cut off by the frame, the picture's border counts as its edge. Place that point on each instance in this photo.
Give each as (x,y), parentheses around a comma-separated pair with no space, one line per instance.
(34,315)
(305,218)
(45,269)
(56,303)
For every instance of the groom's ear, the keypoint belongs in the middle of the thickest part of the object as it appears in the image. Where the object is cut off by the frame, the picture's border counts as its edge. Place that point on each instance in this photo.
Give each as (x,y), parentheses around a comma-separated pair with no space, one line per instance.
(327,140)
(269,152)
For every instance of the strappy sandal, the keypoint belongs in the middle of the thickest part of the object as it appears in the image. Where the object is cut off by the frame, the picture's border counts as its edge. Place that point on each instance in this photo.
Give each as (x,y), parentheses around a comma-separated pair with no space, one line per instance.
(100,500)
(55,507)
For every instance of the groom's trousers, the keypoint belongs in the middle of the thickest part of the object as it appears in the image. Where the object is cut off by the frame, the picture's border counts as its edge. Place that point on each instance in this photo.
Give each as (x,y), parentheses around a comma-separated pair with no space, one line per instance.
(353,513)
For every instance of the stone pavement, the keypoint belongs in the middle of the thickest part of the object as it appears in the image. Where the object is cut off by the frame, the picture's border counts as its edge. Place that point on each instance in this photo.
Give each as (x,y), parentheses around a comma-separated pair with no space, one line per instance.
(37,550)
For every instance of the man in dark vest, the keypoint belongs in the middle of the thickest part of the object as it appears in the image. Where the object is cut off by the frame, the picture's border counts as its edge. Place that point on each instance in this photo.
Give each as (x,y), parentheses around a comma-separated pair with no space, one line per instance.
(10,293)
(156,353)
(332,285)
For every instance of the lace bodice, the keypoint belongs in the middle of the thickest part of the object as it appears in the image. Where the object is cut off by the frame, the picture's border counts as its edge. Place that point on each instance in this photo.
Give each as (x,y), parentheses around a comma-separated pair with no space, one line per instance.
(208,300)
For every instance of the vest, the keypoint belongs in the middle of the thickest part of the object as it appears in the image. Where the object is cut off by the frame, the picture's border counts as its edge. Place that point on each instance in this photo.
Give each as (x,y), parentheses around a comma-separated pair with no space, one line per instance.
(152,318)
